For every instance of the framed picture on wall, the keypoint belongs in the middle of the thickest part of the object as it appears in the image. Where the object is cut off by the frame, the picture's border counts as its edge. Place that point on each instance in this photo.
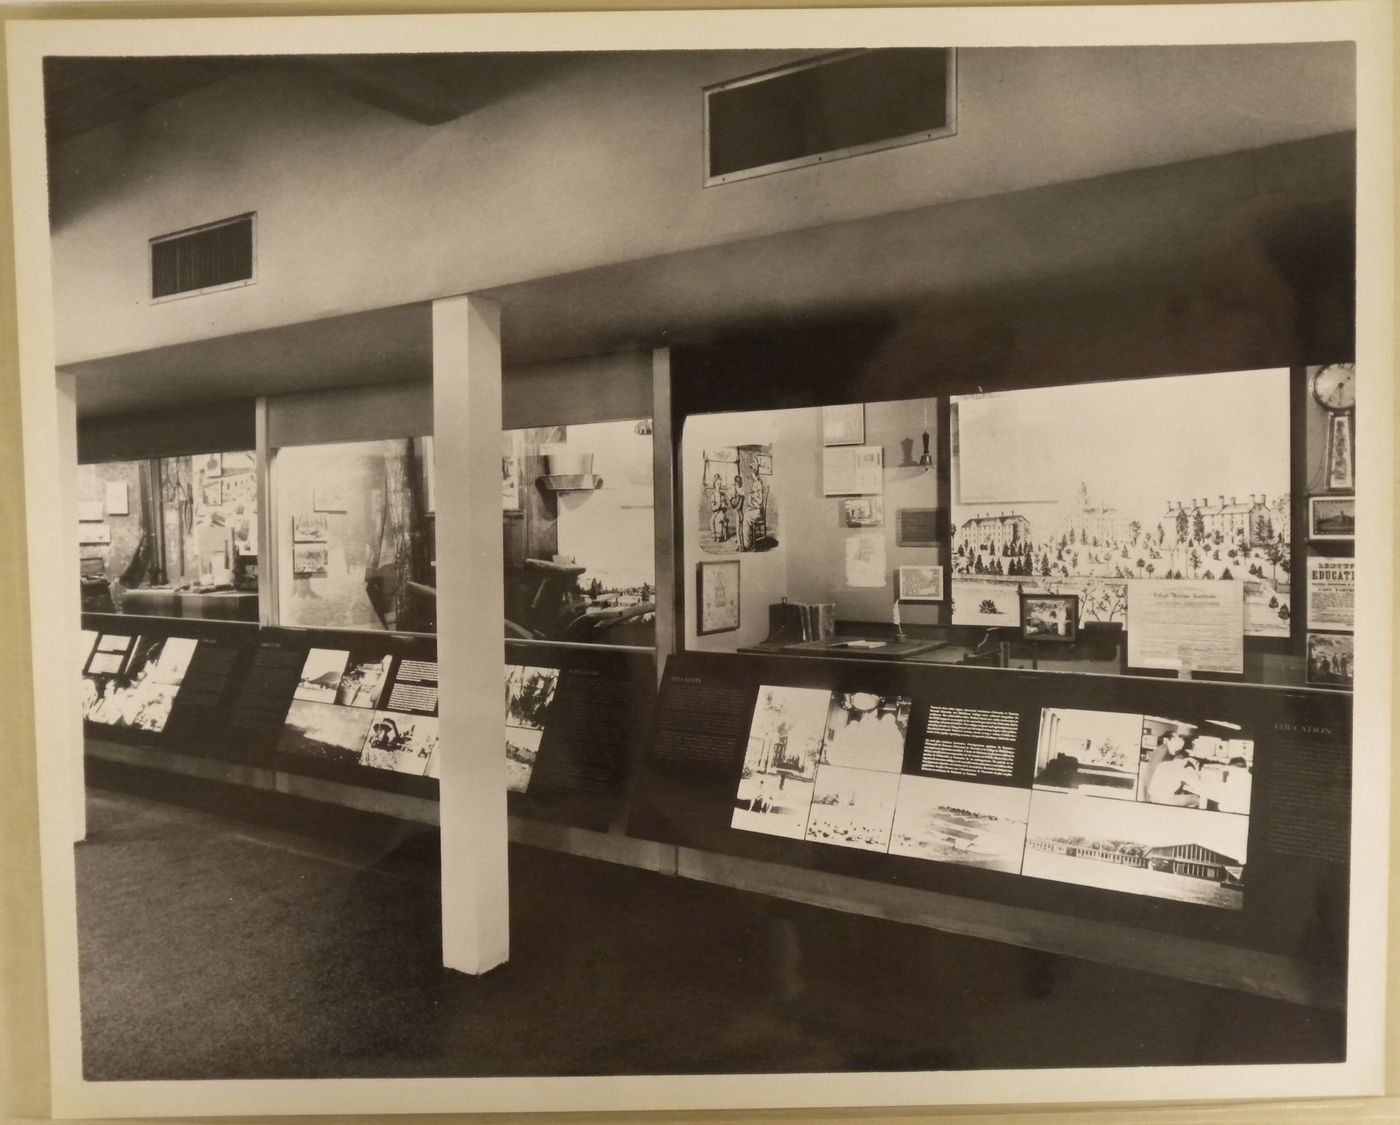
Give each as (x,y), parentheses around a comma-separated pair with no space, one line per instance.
(921,583)
(310,527)
(1050,617)
(212,493)
(1332,518)
(212,464)
(843,425)
(716,597)
(1341,462)
(1332,659)
(309,558)
(863,511)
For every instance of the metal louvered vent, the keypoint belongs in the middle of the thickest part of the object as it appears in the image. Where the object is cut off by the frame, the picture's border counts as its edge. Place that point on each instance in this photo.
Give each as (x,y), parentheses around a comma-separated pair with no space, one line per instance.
(214,256)
(828,108)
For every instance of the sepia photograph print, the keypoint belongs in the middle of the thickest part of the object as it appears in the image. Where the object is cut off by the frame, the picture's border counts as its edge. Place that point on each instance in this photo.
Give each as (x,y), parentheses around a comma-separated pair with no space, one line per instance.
(325,731)
(866,730)
(853,808)
(363,682)
(1093,752)
(1171,853)
(1206,764)
(321,673)
(960,822)
(780,762)
(1332,659)
(909,430)
(529,692)
(398,742)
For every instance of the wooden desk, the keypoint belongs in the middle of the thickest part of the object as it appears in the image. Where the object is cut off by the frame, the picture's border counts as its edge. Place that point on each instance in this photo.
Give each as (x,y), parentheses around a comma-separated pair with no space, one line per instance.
(227,605)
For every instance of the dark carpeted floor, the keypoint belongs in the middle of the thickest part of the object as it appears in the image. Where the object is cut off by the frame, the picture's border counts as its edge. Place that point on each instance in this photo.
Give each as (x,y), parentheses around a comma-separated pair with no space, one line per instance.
(304,943)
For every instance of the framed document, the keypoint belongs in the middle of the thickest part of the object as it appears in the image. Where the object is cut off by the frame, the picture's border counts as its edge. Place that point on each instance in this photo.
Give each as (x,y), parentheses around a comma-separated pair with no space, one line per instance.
(921,583)
(843,425)
(717,597)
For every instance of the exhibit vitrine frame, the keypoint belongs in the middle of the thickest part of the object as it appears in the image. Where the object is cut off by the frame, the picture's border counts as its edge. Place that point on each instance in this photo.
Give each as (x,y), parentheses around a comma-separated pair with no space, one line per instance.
(467,362)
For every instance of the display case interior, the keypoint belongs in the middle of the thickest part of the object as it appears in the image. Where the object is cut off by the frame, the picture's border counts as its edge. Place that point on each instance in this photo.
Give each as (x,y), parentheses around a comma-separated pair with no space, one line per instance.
(579,532)
(1166,514)
(354,529)
(170,536)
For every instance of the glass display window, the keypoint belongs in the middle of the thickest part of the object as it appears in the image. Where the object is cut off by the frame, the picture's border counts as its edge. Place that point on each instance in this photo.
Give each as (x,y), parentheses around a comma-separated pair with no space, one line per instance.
(578,516)
(354,536)
(157,532)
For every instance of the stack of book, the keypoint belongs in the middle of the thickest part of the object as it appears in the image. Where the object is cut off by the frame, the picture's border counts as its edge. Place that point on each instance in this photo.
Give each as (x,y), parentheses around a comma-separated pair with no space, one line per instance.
(801,621)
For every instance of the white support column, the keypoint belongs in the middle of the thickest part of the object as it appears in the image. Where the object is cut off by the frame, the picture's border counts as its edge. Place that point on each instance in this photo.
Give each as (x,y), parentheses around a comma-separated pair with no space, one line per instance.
(668,609)
(62,608)
(471,648)
(269,588)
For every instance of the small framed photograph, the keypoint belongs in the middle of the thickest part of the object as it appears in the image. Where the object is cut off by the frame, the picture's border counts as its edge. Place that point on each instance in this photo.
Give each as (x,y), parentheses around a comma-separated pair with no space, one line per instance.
(212,493)
(843,425)
(1050,617)
(212,464)
(1331,518)
(921,583)
(1341,460)
(309,558)
(863,511)
(1332,659)
(717,597)
(310,527)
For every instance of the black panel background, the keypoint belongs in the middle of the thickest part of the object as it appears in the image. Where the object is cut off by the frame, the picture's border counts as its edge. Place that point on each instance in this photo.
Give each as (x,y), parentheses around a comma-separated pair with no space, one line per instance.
(1292,904)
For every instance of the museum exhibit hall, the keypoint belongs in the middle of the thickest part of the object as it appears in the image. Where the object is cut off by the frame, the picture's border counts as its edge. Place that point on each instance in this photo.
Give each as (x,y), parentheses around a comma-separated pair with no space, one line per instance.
(682,562)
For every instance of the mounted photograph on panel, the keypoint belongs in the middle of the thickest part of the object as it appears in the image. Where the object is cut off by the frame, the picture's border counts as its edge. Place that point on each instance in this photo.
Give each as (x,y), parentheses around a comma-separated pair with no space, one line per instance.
(529,692)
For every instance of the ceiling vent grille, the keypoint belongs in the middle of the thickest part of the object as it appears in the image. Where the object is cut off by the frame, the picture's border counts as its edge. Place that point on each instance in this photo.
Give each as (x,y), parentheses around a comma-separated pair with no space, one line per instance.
(828,108)
(202,259)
